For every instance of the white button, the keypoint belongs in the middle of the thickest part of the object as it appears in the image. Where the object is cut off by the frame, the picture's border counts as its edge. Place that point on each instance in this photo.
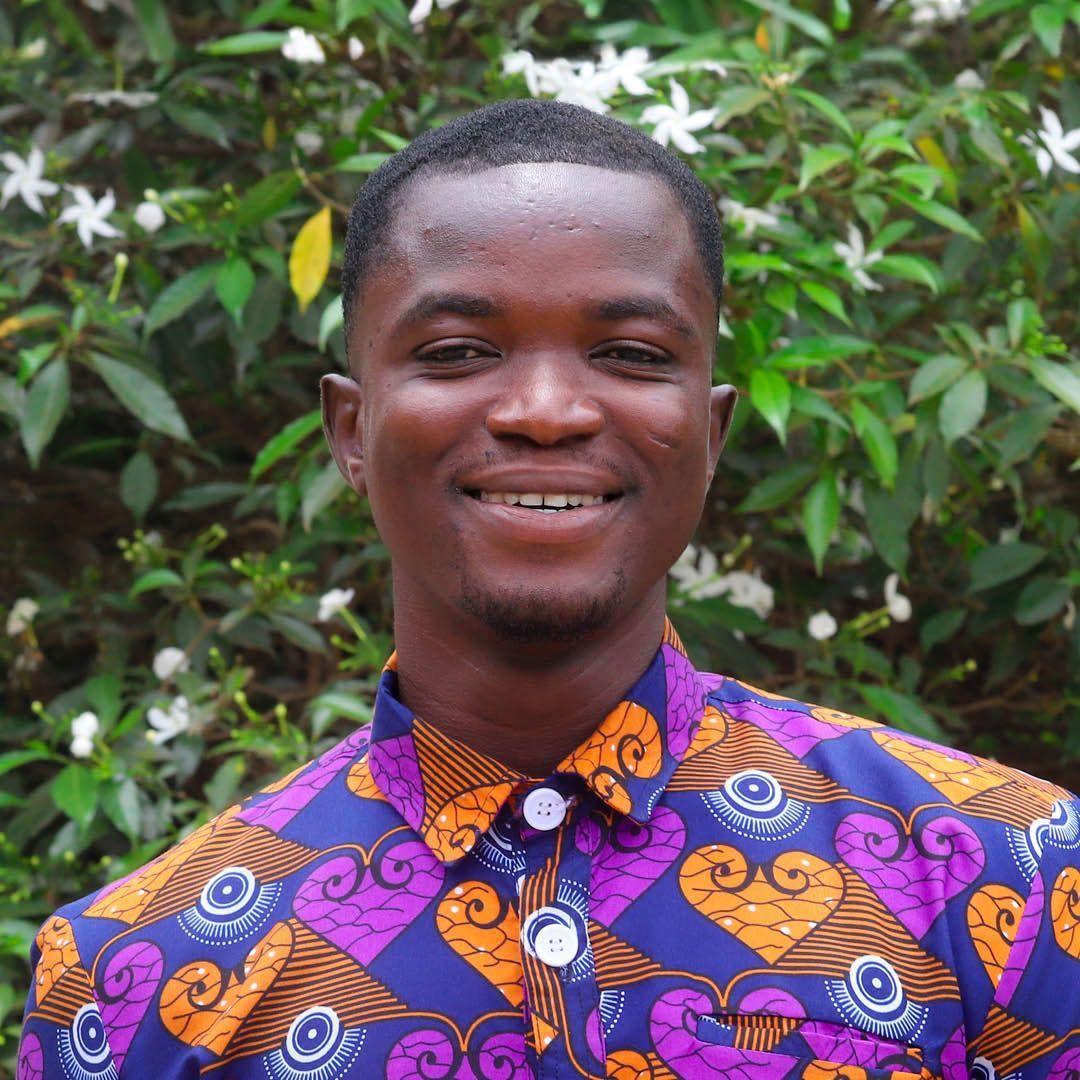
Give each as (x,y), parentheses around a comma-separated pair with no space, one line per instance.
(544,809)
(556,945)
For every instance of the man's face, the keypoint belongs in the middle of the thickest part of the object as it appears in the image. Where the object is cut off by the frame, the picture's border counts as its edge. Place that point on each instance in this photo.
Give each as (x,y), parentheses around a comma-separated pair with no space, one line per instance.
(533,422)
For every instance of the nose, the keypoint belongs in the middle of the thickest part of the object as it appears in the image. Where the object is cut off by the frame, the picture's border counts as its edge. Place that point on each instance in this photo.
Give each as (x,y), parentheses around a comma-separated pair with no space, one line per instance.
(545,400)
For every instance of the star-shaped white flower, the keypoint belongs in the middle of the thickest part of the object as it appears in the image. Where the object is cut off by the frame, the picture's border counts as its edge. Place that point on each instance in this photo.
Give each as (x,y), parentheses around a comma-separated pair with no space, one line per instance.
(422,9)
(624,69)
(857,258)
(302,47)
(330,603)
(751,218)
(24,179)
(89,215)
(674,123)
(169,723)
(1056,144)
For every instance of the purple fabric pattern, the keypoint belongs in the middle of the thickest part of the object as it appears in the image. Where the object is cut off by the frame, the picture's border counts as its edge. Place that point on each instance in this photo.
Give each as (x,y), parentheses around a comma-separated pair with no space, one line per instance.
(31,1059)
(1066,1067)
(795,730)
(361,906)
(1023,943)
(773,1002)
(503,1057)
(395,768)
(630,859)
(915,876)
(426,1055)
(841,1046)
(278,809)
(954,1056)
(129,985)
(685,700)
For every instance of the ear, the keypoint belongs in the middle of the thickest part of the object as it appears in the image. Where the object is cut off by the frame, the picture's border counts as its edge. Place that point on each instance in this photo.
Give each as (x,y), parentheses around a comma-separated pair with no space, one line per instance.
(343,425)
(721,409)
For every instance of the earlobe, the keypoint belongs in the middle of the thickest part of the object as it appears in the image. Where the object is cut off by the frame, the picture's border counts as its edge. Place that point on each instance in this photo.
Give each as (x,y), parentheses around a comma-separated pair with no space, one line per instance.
(343,425)
(722,401)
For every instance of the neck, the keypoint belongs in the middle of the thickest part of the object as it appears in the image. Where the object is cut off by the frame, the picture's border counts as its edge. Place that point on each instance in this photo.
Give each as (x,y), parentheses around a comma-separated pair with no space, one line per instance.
(525,705)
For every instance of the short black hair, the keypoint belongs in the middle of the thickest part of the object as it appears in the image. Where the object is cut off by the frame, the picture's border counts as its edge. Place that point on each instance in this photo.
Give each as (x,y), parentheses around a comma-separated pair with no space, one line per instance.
(515,132)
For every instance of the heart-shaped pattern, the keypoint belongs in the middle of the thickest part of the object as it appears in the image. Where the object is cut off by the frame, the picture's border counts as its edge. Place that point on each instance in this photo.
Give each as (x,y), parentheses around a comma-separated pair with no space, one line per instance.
(125,991)
(483,930)
(1065,910)
(56,943)
(768,907)
(913,874)
(430,1054)
(993,914)
(360,902)
(204,1006)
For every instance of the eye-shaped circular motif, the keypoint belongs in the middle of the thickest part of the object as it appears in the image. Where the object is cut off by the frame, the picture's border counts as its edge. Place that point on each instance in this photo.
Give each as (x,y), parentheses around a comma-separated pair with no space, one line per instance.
(88,1037)
(317,1047)
(753,790)
(983,1069)
(875,985)
(228,892)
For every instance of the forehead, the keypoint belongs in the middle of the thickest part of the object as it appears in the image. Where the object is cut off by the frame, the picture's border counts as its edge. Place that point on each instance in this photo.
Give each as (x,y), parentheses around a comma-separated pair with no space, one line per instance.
(529,213)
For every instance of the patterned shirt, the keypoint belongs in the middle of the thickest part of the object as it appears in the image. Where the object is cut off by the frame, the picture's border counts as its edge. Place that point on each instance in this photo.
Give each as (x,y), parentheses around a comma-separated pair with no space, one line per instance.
(720,882)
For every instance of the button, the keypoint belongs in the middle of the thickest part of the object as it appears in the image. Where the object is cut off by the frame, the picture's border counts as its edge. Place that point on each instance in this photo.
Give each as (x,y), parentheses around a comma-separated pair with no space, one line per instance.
(544,809)
(556,945)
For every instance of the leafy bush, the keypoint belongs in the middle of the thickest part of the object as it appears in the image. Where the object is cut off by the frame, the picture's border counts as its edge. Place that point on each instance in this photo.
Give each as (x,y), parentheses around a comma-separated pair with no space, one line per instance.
(894,528)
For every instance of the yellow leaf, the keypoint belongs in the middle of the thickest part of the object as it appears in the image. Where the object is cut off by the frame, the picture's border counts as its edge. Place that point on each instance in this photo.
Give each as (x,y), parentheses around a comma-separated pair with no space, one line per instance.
(761,36)
(269,133)
(934,155)
(309,260)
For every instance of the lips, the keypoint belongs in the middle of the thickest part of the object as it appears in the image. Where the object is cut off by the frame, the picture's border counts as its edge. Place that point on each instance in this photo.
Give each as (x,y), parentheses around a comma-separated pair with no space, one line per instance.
(548,503)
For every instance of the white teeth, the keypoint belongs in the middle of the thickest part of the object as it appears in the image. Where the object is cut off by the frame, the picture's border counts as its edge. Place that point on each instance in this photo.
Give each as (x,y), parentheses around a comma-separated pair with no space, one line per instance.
(535,501)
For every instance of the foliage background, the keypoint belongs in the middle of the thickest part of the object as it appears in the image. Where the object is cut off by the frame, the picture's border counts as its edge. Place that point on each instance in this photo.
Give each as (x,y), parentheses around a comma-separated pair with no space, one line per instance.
(165,485)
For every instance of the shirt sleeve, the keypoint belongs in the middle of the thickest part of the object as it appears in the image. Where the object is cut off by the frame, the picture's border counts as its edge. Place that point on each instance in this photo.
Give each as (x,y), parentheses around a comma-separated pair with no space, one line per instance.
(1033,1024)
(63,1032)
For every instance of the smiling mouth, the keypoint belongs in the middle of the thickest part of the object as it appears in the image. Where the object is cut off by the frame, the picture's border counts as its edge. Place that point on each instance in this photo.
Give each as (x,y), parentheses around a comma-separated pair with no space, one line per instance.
(545,504)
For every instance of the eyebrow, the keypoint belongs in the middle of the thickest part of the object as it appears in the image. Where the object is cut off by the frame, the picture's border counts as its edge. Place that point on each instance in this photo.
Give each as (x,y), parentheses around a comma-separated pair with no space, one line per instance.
(434,304)
(638,307)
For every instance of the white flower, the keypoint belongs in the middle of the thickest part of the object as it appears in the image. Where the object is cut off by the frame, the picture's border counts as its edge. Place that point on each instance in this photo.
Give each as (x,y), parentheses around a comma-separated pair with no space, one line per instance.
(167,724)
(751,218)
(969,79)
(132,99)
(422,9)
(821,626)
(303,47)
(169,662)
(149,216)
(85,726)
(330,603)
(81,748)
(674,123)
(21,615)
(924,12)
(624,69)
(1056,144)
(899,605)
(24,179)
(356,48)
(857,258)
(309,141)
(1068,620)
(697,577)
(89,216)
(32,50)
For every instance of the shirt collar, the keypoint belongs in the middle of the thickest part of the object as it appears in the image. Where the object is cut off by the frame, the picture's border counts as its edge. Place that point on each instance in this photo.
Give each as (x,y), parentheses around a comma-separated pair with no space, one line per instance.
(450,793)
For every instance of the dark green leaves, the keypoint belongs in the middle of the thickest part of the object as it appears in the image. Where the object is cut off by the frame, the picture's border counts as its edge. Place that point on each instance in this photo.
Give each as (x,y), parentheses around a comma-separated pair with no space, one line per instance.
(180,296)
(144,396)
(46,403)
(1004,562)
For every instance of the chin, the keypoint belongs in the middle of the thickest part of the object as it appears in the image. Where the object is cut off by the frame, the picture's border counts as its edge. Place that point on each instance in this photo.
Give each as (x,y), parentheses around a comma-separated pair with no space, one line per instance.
(545,617)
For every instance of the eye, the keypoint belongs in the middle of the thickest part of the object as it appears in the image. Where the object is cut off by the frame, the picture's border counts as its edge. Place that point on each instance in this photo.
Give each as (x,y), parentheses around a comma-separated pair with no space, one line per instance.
(632,354)
(449,353)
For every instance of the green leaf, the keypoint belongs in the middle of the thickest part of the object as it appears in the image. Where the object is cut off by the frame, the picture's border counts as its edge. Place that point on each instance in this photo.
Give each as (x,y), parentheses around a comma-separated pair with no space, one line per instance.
(289,437)
(1048,22)
(827,109)
(770,394)
(903,711)
(1003,562)
(153,19)
(75,792)
(820,159)
(962,406)
(888,526)
(811,403)
(139,484)
(820,516)
(817,351)
(935,375)
(45,404)
(809,24)
(200,496)
(1060,379)
(333,316)
(826,298)
(1021,316)
(939,214)
(1025,432)
(737,101)
(1041,599)
(197,121)
(121,805)
(161,578)
(941,627)
(911,268)
(233,284)
(878,441)
(147,399)
(320,493)
(16,759)
(350,706)
(179,297)
(778,488)
(262,201)
(242,44)
(362,163)
(296,631)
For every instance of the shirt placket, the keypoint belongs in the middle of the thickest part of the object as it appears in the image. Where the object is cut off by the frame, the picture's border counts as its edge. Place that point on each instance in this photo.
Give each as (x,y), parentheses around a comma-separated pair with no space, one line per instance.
(561,993)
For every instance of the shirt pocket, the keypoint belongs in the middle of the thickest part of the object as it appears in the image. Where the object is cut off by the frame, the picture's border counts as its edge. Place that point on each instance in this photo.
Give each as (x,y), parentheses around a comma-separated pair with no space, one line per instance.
(811,1049)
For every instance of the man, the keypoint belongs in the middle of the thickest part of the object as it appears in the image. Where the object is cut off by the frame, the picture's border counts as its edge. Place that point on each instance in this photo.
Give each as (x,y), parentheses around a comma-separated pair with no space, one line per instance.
(561,851)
